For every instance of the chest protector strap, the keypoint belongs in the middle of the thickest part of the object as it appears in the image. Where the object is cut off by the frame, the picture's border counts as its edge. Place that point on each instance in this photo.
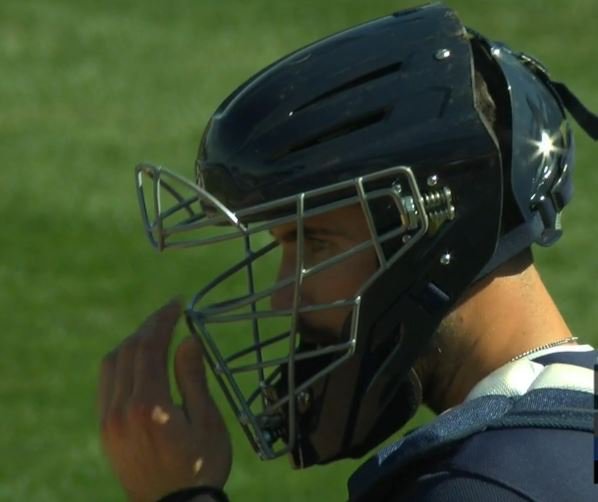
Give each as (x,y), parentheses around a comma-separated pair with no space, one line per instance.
(539,408)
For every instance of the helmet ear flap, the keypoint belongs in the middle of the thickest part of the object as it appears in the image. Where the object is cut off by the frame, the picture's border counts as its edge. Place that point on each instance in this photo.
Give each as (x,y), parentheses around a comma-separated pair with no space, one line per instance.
(490,86)
(536,145)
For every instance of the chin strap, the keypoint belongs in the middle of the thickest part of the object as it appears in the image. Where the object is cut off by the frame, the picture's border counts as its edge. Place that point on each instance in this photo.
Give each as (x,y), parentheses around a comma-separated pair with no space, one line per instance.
(586,119)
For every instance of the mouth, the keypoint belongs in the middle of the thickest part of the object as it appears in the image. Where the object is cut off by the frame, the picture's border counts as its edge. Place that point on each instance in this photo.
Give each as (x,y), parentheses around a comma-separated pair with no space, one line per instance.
(316,339)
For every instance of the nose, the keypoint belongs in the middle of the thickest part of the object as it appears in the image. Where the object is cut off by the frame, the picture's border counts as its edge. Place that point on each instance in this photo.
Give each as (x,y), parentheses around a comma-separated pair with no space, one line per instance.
(282,299)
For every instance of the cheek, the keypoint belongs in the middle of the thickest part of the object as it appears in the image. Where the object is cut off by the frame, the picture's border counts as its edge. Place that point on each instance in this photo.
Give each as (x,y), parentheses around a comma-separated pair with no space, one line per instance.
(332,285)
(337,283)
(341,281)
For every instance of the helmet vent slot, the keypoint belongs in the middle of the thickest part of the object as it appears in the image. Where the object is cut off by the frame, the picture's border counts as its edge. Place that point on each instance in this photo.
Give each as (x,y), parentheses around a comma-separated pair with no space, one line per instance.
(338,130)
(356,82)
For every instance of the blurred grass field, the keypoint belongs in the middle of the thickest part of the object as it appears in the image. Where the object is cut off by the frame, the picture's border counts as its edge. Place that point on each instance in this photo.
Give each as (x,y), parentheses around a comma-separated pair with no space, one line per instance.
(87,90)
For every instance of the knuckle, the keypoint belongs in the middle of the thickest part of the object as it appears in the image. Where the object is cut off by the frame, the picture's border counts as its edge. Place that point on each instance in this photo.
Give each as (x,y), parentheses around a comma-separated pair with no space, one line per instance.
(126,349)
(109,361)
(148,347)
(139,414)
(129,347)
(112,425)
(145,346)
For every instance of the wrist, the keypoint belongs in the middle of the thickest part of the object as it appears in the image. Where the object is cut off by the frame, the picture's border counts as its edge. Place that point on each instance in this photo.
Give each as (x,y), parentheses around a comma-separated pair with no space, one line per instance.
(196,494)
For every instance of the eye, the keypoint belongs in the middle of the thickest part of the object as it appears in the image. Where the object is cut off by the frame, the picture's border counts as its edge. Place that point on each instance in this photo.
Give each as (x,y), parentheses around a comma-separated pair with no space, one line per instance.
(317,245)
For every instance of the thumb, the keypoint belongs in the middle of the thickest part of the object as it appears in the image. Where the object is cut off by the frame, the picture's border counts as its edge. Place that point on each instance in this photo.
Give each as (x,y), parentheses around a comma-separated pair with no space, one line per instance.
(190,373)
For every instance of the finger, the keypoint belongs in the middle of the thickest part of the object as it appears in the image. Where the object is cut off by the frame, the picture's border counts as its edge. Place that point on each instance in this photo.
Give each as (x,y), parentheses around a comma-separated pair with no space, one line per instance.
(151,356)
(124,369)
(106,384)
(122,387)
(171,310)
(190,373)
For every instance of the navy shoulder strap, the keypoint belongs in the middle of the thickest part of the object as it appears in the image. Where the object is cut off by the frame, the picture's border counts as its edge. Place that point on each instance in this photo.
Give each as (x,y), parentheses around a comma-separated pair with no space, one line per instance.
(536,464)
(587,359)
(539,408)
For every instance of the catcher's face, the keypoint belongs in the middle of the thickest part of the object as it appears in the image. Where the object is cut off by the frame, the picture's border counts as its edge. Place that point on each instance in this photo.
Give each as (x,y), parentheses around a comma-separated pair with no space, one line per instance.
(325,236)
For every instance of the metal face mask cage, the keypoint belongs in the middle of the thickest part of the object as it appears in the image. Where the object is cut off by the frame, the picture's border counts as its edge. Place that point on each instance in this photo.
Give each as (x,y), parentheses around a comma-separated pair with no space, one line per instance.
(178,213)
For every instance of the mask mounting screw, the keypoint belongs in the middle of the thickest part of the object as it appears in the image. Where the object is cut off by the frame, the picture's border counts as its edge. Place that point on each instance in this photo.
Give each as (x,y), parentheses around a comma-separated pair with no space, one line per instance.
(303,402)
(432,180)
(445,259)
(442,54)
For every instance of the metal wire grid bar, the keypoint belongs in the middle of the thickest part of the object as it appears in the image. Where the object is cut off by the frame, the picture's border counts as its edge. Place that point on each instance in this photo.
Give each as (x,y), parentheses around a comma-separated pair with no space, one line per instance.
(225,374)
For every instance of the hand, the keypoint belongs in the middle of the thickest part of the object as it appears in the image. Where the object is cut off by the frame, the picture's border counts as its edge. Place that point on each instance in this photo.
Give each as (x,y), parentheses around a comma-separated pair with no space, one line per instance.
(154,446)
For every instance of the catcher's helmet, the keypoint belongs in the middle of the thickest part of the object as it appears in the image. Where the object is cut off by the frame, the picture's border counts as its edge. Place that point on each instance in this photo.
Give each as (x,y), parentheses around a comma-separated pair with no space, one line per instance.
(383,116)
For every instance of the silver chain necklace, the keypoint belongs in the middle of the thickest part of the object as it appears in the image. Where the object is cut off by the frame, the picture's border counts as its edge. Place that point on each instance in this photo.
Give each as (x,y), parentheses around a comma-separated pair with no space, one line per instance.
(546,346)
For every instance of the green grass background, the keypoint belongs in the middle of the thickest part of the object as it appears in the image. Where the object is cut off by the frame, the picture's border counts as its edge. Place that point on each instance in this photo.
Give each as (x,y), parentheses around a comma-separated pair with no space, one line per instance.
(88,89)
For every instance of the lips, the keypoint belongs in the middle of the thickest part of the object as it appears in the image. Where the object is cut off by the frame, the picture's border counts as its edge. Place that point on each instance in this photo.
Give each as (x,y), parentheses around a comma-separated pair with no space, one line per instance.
(316,337)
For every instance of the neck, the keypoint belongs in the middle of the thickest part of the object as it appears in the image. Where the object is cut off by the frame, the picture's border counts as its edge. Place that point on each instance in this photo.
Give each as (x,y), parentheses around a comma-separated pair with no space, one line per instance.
(500,319)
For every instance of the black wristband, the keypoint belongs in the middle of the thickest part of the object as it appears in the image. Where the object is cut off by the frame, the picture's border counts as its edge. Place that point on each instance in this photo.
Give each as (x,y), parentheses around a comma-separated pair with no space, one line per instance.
(187,494)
